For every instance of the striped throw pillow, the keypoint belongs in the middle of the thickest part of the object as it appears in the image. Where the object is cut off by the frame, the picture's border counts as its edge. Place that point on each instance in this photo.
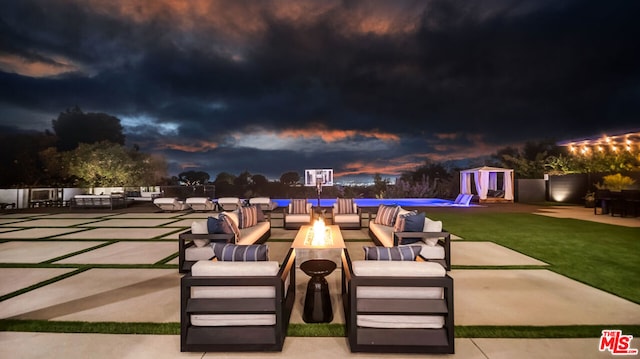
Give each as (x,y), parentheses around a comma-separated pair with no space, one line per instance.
(400,224)
(299,206)
(227,252)
(387,214)
(345,205)
(229,226)
(404,253)
(248,217)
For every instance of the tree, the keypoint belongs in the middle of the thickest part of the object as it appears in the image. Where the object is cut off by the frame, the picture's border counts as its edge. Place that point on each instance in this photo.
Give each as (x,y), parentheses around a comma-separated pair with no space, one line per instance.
(380,185)
(260,183)
(224,178)
(243,179)
(193,178)
(436,171)
(74,127)
(290,178)
(259,180)
(20,163)
(531,160)
(108,164)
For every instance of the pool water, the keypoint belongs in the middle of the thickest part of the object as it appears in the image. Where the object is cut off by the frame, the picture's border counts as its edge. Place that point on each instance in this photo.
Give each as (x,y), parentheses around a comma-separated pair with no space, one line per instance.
(375,202)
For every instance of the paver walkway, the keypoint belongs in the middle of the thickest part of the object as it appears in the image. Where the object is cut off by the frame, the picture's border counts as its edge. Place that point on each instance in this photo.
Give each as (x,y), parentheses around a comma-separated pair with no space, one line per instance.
(128,280)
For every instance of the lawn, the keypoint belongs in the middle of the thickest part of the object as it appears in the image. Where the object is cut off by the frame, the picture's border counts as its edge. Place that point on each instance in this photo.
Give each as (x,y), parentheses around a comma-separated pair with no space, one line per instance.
(601,255)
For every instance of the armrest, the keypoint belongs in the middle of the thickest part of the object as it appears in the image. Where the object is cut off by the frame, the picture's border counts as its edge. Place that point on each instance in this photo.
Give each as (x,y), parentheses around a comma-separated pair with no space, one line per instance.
(288,264)
(443,237)
(214,237)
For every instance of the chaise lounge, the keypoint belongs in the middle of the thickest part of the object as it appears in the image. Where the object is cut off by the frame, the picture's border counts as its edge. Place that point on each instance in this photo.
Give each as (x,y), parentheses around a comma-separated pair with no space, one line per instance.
(169,204)
(200,204)
(229,203)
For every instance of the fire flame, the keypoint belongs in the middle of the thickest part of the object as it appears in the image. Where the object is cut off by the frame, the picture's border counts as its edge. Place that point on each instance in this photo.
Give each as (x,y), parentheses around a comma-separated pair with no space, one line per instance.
(318,233)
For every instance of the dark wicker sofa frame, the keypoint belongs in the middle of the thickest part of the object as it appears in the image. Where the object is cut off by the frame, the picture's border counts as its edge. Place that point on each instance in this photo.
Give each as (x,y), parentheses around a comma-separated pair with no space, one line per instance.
(185,240)
(397,340)
(238,338)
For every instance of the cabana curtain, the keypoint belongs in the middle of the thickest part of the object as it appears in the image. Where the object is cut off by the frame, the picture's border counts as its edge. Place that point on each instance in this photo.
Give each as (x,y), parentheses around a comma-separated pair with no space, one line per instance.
(485,179)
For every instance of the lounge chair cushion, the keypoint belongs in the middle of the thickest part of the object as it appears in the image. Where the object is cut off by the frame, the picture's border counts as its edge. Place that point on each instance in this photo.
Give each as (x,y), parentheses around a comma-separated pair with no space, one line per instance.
(387,214)
(404,253)
(241,253)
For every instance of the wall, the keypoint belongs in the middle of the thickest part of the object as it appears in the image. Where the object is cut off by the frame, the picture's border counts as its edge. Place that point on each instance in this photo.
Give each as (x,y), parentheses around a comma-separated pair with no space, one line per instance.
(569,188)
(530,190)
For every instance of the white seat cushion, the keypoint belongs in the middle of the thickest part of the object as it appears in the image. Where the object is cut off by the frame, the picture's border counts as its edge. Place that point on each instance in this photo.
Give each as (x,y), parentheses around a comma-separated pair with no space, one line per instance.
(346,218)
(223,320)
(239,269)
(398,269)
(195,253)
(400,292)
(401,321)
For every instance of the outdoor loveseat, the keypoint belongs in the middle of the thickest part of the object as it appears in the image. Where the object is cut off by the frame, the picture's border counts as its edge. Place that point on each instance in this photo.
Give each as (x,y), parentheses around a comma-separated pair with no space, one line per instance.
(195,244)
(436,243)
(236,306)
(397,306)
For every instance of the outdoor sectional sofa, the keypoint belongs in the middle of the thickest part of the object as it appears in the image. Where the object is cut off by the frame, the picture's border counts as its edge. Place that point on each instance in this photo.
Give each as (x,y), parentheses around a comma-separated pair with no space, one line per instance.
(436,243)
(110,201)
(194,244)
(237,306)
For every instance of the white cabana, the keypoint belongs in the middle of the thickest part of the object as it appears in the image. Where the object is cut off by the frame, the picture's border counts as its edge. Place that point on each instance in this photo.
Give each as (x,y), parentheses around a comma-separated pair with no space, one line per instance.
(484,181)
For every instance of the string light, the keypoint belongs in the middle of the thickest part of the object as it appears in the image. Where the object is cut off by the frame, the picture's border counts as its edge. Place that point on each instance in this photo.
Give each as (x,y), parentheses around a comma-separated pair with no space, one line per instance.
(629,142)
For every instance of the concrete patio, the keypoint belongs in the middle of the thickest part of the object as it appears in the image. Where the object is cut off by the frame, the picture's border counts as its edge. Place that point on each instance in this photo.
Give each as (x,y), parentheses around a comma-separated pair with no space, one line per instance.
(120,290)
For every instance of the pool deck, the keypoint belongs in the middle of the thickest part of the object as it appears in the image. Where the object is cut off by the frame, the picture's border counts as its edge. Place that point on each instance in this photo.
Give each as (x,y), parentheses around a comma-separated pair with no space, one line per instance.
(114,289)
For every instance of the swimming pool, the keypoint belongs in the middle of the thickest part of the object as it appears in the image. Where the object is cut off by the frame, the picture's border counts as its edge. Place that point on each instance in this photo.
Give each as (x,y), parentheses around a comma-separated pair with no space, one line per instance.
(375,202)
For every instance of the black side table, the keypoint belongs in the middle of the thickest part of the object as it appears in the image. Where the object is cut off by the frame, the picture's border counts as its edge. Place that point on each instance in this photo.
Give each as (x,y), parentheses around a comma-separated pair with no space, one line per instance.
(317,302)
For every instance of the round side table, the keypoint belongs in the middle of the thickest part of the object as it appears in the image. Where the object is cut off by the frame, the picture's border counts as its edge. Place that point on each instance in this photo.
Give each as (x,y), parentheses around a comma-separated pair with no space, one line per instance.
(317,301)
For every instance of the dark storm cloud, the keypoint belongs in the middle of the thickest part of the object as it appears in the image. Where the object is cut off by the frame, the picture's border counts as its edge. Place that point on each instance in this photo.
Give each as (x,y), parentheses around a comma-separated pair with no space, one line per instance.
(448,79)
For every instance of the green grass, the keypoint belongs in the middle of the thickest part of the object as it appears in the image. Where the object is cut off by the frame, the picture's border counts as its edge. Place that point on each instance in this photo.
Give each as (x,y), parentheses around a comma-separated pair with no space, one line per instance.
(309,330)
(89,327)
(601,255)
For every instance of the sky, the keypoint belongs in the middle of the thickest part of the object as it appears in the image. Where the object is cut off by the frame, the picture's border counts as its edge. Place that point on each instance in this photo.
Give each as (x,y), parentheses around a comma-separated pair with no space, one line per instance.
(362,87)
